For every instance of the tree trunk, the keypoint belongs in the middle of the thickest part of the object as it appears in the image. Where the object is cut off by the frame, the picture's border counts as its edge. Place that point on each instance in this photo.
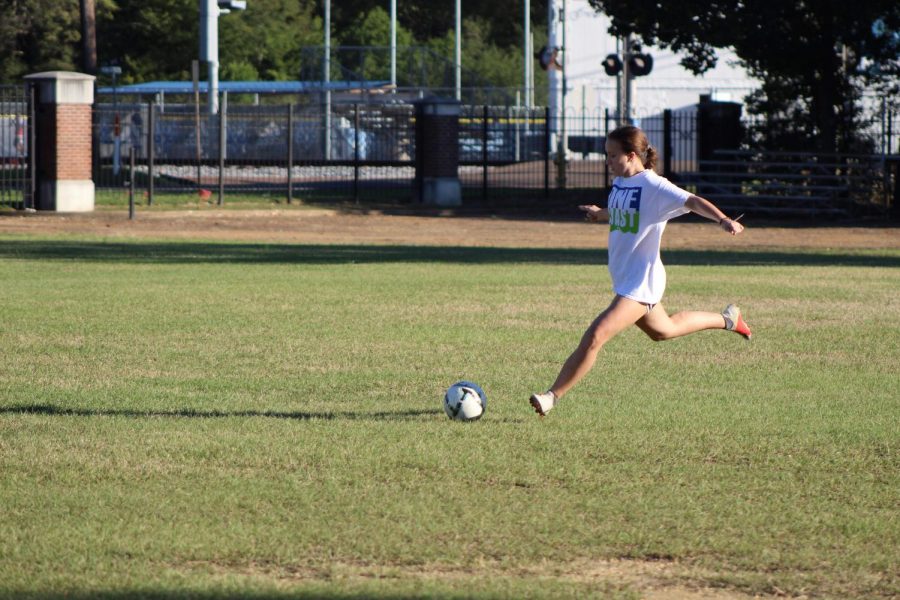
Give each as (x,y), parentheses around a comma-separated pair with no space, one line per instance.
(88,37)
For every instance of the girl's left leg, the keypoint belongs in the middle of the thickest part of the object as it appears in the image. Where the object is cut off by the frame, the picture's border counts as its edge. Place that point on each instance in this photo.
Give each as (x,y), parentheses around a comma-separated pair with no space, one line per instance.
(660,326)
(620,314)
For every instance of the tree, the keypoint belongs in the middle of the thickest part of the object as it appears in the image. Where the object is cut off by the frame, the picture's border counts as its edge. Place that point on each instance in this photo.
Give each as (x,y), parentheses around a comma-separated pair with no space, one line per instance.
(38,35)
(150,39)
(158,39)
(276,31)
(373,29)
(813,57)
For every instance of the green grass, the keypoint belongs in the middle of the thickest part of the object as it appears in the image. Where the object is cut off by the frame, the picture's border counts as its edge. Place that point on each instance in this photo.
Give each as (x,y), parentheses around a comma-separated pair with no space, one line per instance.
(218,420)
(117,199)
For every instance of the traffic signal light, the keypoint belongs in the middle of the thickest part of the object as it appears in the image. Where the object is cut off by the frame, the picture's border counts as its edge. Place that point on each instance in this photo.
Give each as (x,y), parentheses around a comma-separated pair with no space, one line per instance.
(640,64)
(612,64)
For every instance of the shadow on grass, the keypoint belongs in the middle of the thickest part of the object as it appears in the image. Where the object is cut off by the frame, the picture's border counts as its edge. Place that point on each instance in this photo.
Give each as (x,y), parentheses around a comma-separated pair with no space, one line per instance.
(44,409)
(236,253)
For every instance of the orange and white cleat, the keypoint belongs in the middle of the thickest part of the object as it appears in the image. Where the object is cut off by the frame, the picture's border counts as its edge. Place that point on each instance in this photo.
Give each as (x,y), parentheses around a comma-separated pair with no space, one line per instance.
(734,321)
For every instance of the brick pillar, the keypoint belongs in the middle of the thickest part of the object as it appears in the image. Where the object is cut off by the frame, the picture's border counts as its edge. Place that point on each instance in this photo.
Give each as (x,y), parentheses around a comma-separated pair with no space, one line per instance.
(437,152)
(63,103)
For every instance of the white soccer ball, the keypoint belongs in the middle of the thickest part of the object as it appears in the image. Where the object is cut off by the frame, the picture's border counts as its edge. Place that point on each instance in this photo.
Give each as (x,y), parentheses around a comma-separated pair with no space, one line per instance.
(465,401)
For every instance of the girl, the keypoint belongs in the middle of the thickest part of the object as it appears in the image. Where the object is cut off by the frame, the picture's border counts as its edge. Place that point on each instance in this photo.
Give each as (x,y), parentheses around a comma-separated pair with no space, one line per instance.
(640,203)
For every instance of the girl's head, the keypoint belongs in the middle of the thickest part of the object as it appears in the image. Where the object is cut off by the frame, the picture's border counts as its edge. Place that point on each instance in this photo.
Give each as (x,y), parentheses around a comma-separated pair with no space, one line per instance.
(629,149)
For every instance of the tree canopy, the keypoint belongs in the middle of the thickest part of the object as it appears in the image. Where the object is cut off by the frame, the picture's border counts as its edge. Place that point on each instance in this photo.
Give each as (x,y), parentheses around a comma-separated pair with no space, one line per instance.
(271,40)
(814,57)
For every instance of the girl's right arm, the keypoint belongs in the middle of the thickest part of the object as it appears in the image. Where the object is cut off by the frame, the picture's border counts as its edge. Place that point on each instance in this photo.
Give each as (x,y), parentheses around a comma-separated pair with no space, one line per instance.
(594,213)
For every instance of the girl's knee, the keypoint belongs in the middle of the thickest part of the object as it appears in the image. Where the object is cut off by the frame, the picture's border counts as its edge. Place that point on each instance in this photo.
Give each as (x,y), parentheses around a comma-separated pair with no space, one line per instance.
(594,339)
(658,335)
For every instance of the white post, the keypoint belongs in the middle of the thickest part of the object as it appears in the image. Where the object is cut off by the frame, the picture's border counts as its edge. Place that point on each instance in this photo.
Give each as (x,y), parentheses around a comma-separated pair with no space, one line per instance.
(553,76)
(393,45)
(531,70)
(526,43)
(457,54)
(563,142)
(213,95)
(209,48)
(326,78)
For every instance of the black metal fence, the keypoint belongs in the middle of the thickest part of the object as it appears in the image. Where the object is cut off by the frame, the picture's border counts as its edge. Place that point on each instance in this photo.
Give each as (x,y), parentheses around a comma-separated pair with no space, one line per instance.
(16,181)
(366,152)
(290,151)
(360,152)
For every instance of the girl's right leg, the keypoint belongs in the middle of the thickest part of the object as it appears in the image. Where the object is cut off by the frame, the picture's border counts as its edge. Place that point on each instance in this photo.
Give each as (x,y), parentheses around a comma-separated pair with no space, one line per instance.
(620,314)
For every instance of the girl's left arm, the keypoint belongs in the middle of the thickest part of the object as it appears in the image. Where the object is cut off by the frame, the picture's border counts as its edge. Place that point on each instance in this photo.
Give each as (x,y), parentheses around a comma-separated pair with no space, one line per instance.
(705,208)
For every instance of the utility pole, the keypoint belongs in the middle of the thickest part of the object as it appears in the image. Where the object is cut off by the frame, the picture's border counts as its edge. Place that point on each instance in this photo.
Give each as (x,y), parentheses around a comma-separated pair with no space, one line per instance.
(625,67)
(209,42)
(627,82)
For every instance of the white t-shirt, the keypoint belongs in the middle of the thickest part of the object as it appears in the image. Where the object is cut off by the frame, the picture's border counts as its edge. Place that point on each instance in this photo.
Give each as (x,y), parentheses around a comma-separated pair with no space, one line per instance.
(639,207)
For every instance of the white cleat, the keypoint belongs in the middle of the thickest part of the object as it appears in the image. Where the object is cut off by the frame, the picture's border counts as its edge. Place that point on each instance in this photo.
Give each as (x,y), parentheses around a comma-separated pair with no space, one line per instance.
(543,403)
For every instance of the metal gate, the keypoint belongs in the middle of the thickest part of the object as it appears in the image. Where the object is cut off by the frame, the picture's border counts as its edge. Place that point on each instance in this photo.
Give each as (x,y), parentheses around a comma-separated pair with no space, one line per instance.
(16,141)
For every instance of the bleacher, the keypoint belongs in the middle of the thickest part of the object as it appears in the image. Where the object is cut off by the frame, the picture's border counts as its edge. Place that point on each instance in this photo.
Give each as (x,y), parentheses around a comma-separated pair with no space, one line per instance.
(792,183)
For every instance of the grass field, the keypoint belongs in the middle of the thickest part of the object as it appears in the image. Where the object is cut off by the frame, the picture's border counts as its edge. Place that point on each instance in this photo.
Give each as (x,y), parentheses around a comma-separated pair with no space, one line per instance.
(213,420)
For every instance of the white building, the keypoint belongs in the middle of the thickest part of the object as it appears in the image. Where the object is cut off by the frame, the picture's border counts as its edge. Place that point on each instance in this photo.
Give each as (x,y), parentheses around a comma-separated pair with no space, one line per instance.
(669,85)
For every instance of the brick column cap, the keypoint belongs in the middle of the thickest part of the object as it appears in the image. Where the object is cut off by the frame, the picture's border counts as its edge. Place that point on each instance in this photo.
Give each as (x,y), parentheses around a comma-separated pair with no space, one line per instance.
(64,87)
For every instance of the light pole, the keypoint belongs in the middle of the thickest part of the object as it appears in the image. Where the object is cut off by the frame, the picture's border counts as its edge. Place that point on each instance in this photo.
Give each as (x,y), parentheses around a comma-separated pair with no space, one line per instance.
(209,42)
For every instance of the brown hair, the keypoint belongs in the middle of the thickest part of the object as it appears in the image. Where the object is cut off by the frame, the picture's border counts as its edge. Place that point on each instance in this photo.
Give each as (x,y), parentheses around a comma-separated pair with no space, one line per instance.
(633,139)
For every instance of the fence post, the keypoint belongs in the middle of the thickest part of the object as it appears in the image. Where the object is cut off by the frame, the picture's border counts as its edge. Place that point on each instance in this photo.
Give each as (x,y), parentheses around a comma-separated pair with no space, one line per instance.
(667,142)
(546,152)
(223,107)
(131,183)
(484,153)
(356,153)
(437,152)
(32,148)
(151,150)
(605,135)
(895,205)
(290,153)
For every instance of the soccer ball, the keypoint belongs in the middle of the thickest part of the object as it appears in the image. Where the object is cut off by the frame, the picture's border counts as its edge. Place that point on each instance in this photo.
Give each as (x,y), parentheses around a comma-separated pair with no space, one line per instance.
(465,401)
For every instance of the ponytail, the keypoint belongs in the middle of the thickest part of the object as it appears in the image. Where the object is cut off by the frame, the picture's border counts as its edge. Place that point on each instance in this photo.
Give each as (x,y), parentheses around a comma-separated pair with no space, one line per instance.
(651,158)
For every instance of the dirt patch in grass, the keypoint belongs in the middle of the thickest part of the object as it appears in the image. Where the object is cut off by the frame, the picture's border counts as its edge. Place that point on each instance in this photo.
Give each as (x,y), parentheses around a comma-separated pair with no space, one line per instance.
(650,579)
(327,226)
